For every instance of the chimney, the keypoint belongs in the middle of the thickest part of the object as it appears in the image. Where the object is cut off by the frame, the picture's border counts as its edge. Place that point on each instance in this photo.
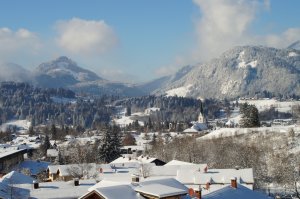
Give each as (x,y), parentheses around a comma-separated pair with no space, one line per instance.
(207,186)
(101,170)
(129,158)
(35,184)
(200,192)
(205,169)
(233,183)
(76,182)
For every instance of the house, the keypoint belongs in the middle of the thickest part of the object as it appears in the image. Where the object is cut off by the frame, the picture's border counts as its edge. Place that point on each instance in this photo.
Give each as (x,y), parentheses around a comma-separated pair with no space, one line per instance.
(233,191)
(168,188)
(10,158)
(133,150)
(199,175)
(112,192)
(35,167)
(52,154)
(191,175)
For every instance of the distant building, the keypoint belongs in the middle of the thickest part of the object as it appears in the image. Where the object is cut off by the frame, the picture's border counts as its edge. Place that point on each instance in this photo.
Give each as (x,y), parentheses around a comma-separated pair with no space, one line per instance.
(10,159)
(199,126)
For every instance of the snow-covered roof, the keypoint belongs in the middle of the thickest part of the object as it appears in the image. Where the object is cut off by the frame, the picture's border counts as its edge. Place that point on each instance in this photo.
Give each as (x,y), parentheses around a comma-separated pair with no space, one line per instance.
(160,191)
(14,177)
(172,170)
(11,151)
(53,169)
(177,162)
(106,168)
(109,183)
(35,167)
(66,170)
(197,127)
(115,192)
(133,161)
(240,192)
(215,176)
(159,187)
(8,190)
(52,153)
(170,182)
(60,189)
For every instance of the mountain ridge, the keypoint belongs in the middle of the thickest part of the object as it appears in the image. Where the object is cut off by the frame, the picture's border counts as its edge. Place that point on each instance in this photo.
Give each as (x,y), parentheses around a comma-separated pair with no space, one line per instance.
(242,71)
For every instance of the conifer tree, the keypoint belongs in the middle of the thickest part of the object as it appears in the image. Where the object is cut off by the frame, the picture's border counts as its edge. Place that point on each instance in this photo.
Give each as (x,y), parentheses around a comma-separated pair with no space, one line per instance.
(45,145)
(105,148)
(116,142)
(110,145)
(250,116)
(53,132)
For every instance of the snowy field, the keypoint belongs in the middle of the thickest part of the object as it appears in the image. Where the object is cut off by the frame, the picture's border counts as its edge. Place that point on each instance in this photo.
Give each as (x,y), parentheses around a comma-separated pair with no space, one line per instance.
(126,120)
(230,132)
(21,125)
(123,120)
(265,104)
(180,92)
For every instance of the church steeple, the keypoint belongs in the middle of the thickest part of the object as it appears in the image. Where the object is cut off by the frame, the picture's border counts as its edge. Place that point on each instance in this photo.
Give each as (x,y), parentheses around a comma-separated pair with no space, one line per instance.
(201,118)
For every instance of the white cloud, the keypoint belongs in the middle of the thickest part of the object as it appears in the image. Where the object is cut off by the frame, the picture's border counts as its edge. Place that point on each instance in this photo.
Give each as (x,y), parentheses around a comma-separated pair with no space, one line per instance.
(86,37)
(118,75)
(172,68)
(17,44)
(227,23)
(282,40)
(223,24)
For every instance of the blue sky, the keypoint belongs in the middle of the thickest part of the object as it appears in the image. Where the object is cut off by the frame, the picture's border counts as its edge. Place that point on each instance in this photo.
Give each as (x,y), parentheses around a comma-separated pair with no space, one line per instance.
(138,40)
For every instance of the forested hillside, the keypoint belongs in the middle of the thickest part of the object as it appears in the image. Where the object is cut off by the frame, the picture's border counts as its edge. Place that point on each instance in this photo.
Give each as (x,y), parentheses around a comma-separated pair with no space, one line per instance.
(170,108)
(40,106)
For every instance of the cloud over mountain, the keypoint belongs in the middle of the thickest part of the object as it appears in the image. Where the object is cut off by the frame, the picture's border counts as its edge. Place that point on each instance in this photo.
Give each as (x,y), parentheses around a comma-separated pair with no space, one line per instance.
(87,37)
(20,42)
(223,24)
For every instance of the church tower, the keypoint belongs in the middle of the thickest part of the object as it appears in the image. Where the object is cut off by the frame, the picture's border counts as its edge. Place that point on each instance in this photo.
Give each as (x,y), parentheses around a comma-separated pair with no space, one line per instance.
(201,118)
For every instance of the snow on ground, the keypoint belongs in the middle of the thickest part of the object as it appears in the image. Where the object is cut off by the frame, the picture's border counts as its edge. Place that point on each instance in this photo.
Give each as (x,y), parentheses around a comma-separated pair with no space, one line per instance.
(230,132)
(227,86)
(264,104)
(243,64)
(293,54)
(235,120)
(126,120)
(180,92)
(22,125)
(35,167)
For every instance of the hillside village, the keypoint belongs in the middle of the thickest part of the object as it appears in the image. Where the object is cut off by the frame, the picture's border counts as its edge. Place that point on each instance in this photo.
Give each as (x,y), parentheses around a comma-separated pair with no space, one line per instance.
(170,162)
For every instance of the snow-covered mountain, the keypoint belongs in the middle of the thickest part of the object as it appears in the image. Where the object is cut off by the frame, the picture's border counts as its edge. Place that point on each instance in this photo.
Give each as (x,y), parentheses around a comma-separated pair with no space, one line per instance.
(295,45)
(63,72)
(156,85)
(241,71)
